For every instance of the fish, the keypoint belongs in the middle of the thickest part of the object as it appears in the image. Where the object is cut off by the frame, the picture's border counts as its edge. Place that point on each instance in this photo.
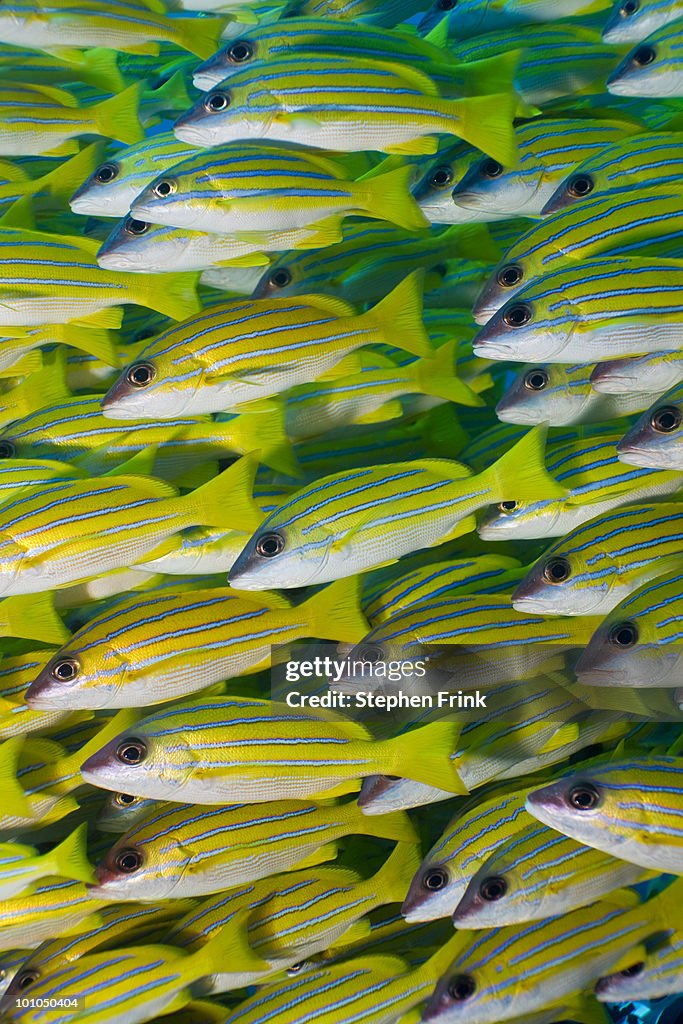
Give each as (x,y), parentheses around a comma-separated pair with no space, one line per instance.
(467,841)
(653,373)
(297,914)
(479,573)
(433,191)
(598,309)
(32,618)
(213,359)
(480,17)
(22,866)
(97,67)
(629,22)
(654,440)
(563,394)
(622,167)
(295,546)
(637,643)
(133,656)
(246,750)
(557,59)
(136,982)
(121,811)
(339,120)
(606,226)
(10,962)
(246,188)
(113,185)
(132,26)
(629,808)
(597,481)
(74,430)
(651,68)
(656,975)
(58,119)
(540,873)
(563,954)
(66,284)
(603,561)
(17,347)
(83,522)
(55,906)
(549,148)
(311,37)
(221,847)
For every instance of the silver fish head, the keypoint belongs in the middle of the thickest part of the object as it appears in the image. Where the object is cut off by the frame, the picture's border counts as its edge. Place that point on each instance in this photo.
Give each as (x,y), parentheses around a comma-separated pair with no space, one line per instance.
(631,20)
(139,762)
(571,191)
(533,397)
(66,681)
(128,872)
(234,56)
(567,803)
(554,586)
(455,998)
(146,388)
(522,330)
(102,193)
(518,520)
(624,652)
(212,120)
(654,440)
(127,247)
(280,555)
(434,892)
(489,187)
(506,280)
(640,73)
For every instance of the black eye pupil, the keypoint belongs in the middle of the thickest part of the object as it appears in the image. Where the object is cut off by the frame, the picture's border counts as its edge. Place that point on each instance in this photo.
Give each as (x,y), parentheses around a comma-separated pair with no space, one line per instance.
(507,506)
(536,380)
(136,227)
(582,185)
(517,316)
(27,978)
(129,861)
(105,173)
(240,52)
(6,450)
(371,653)
(125,799)
(447,5)
(666,420)
(281,278)
(141,375)
(442,176)
(633,971)
(131,751)
(164,188)
(270,544)
(625,634)
(557,570)
(583,797)
(509,276)
(644,55)
(218,101)
(630,7)
(462,987)
(492,169)
(65,670)
(435,880)
(492,889)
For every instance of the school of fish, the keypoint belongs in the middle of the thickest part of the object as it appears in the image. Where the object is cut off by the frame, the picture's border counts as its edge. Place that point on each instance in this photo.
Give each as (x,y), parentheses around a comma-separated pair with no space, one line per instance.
(345,330)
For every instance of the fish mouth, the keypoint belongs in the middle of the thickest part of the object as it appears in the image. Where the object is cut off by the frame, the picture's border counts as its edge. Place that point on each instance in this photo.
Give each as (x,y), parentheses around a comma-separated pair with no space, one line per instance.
(600,676)
(493,349)
(636,455)
(482,313)
(44,693)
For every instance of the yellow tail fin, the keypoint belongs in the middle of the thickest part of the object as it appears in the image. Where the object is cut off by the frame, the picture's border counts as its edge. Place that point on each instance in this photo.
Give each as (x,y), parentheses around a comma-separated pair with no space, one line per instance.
(520,474)
(14,799)
(424,755)
(388,197)
(391,881)
(486,122)
(117,118)
(33,617)
(399,316)
(435,376)
(174,295)
(267,425)
(335,612)
(229,949)
(200,36)
(70,858)
(226,501)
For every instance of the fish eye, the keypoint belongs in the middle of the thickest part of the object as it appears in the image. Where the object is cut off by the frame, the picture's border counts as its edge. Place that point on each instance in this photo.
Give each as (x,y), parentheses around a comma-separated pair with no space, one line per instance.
(462,987)
(518,315)
(217,101)
(666,419)
(557,570)
(580,185)
(491,169)
(629,7)
(583,797)
(26,978)
(65,670)
(7,450)
(295,968)
(509,276)
(129,861)
(536,380)
(270,544)
(132,751)
(240,51)
(371,652)
(281,277)
(624,634)
(141,374)
(106,173)
(435,879)
(441,176)
(135,227)
(508,506)
(633,971)
(446,5)
(164,188)
(124,799)
(493,888)
(644,55)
